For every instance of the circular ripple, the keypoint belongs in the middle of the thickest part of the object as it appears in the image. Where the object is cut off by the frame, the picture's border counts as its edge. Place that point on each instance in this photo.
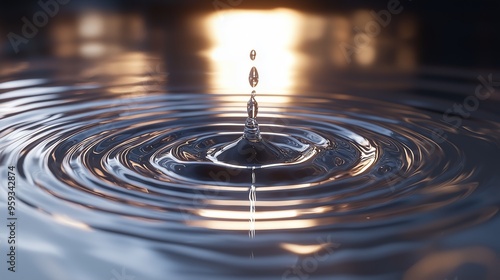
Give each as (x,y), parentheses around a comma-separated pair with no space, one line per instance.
(369,177)
(151,163)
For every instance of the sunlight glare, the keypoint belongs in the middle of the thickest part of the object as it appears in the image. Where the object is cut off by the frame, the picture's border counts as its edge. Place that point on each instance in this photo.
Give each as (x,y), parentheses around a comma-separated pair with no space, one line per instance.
(271,33)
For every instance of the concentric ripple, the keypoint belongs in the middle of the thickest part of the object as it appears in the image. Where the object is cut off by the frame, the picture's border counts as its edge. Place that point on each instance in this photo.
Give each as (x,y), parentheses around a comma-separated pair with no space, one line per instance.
(148,165)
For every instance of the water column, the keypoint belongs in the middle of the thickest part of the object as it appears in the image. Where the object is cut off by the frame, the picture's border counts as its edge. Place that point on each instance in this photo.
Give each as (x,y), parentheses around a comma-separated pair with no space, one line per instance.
(252,132)
(251,149)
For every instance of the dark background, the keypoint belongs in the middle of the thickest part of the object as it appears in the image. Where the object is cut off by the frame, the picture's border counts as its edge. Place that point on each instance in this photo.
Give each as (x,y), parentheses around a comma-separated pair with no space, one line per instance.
(453,33)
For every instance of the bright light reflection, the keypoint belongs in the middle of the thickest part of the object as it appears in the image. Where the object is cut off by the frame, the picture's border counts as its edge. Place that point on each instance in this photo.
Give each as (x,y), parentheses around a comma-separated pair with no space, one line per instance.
(91,25)
(302,249)
(93,49)
(273,34)
(22,83)
(259,225)
(70,222)
(129,74)
(264,215)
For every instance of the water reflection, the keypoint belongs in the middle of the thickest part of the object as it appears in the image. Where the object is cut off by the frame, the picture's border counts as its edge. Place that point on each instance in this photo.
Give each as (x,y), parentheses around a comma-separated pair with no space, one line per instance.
(22,83)
(91,25)
(301,249)
(442,264)
(71,222)
(93,34)
(295,46)
(252,199)
(237,32)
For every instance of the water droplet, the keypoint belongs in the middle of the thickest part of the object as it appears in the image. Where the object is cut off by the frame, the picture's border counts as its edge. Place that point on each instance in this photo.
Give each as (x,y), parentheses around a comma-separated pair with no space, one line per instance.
(253,54)
(253,93)
(253,77)
(252,107)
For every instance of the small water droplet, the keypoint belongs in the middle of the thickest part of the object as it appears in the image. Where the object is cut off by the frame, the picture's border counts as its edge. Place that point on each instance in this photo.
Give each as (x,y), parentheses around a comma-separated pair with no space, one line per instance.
(253,54)
(339,161)
(253,93)
(252,107)
(253,77)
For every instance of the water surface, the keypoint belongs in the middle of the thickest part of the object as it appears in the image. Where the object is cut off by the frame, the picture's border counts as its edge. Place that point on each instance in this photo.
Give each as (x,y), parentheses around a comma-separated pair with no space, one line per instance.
(114,177)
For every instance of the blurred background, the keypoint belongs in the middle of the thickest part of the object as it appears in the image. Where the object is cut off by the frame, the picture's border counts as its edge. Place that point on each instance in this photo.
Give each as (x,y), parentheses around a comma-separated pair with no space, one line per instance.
(300,44)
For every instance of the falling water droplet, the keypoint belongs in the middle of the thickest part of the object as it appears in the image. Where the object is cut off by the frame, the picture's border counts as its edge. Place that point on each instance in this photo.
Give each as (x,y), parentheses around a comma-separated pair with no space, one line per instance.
(253,77)
(253,54)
